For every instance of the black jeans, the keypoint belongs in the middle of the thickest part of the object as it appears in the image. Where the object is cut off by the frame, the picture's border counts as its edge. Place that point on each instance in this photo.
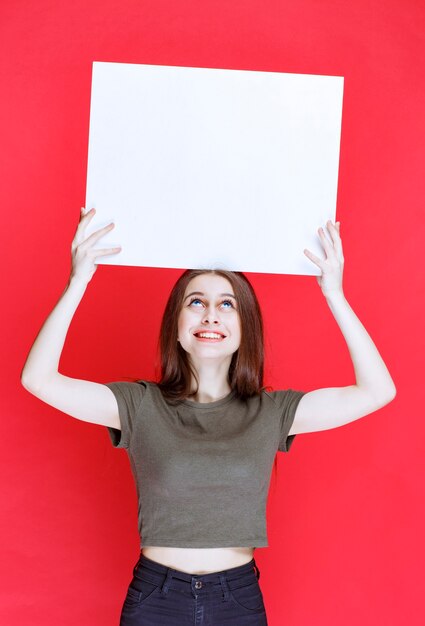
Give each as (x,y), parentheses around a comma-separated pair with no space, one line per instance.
(162,596)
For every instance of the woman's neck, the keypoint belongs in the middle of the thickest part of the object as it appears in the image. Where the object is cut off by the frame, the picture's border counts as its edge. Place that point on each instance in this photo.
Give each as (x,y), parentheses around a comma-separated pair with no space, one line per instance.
(213,383)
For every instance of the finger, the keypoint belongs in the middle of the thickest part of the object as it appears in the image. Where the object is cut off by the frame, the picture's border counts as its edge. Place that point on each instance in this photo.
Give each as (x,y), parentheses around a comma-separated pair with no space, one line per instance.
(328,246)
(82,224)
(94,237)
(84,220)
(86,215)
(332,227)
(84,211)
(314,258)
(334,231)
(105,251)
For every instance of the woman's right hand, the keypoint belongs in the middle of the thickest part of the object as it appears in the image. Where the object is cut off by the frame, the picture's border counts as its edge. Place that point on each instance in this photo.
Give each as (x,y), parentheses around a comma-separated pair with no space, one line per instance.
(83,254)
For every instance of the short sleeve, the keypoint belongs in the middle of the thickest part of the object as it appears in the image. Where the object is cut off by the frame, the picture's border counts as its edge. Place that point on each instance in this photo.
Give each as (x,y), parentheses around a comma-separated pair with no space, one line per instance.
(129,396)
(287,402)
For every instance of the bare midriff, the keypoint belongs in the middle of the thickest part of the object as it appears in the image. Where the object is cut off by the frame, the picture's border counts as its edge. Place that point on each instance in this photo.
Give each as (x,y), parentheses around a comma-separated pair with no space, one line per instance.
(199,560)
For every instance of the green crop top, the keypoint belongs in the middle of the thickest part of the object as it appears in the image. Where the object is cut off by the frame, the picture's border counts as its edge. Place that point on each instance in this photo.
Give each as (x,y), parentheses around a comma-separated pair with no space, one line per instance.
(202,470)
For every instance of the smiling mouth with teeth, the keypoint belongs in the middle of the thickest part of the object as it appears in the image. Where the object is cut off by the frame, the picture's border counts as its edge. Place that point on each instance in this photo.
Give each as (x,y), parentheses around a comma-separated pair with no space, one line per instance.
(206,336)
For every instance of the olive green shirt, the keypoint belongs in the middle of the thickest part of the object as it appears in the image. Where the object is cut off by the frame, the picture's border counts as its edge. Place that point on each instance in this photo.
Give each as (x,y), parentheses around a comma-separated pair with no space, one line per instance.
(202,470)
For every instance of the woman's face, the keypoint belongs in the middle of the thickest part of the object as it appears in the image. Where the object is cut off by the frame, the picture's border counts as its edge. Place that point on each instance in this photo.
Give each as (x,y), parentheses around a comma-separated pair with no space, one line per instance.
(209,306)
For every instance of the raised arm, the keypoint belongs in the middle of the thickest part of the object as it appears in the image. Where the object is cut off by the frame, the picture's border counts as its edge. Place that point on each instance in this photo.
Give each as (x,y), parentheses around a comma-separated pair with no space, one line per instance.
(85,400)
(330,407)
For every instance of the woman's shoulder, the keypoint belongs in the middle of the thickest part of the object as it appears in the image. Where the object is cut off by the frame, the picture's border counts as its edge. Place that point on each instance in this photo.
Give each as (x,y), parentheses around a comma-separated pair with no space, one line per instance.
(280,395)
(153,389)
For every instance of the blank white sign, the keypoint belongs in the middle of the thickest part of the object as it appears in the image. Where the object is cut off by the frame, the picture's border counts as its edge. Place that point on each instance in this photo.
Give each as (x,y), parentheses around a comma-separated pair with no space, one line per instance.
(204,168)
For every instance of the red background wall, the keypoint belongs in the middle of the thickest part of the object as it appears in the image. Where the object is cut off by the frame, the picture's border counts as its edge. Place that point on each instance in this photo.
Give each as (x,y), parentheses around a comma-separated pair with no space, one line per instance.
(345,517)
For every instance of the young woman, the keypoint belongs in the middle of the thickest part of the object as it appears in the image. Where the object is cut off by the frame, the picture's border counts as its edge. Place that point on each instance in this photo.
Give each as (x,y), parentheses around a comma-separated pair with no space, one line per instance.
(202,440)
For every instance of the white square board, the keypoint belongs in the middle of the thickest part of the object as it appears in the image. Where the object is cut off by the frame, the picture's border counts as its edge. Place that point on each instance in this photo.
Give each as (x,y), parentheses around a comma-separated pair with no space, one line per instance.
(203,168)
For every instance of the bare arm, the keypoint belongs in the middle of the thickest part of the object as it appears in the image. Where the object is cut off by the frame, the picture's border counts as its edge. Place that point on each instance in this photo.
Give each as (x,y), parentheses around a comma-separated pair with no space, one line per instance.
(330,407)
(85,400)
(322,409)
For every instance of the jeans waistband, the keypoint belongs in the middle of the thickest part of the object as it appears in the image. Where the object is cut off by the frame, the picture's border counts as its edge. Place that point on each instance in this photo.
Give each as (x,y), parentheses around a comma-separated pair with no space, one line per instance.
(163,575)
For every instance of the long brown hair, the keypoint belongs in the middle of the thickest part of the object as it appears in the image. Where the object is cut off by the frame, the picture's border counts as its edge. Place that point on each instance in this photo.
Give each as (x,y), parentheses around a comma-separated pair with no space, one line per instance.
(246,368)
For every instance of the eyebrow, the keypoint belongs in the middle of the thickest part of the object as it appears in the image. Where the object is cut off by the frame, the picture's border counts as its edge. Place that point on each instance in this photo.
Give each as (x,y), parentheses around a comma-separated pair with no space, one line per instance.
(199,293)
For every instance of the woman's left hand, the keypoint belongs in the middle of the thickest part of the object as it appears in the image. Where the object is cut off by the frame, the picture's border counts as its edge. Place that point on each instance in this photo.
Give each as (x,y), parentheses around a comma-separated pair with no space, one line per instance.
(332,266)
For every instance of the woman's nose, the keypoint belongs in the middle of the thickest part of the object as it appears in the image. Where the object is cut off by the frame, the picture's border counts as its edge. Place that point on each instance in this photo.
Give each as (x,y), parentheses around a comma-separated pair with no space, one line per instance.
(210,316)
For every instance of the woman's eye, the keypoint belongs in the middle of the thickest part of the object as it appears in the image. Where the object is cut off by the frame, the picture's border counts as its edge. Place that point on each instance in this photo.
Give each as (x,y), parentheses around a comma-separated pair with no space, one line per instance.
(196,300)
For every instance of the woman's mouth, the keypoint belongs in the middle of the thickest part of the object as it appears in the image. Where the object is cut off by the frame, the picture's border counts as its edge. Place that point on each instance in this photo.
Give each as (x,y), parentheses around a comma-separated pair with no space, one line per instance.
(209,336)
